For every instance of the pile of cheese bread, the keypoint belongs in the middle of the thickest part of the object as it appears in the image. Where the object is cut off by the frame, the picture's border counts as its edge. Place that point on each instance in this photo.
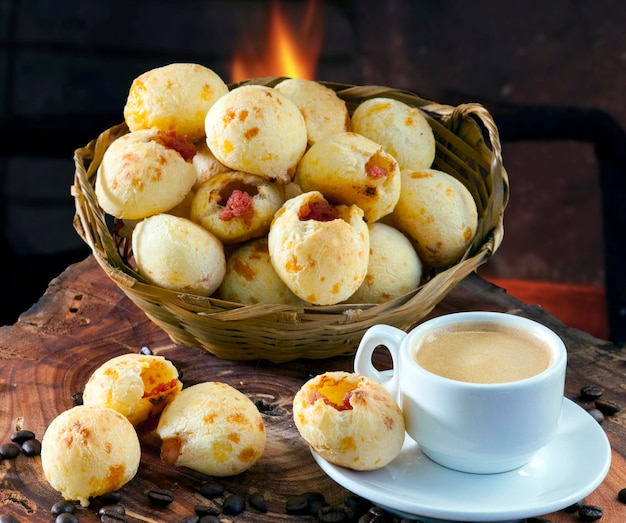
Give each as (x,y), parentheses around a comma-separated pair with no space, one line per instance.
(258,194)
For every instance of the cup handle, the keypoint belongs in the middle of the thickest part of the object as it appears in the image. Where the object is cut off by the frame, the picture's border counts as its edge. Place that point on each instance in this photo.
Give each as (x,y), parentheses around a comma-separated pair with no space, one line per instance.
(390,337)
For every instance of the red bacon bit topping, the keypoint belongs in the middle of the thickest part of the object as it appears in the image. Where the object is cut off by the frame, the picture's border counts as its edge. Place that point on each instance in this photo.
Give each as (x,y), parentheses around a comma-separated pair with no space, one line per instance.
(239,205)
(179,143)
(320,211)
(376,171)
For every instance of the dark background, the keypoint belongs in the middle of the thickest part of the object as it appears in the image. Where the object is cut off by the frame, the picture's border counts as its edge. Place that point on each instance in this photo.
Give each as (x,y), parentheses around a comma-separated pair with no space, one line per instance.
(552,73)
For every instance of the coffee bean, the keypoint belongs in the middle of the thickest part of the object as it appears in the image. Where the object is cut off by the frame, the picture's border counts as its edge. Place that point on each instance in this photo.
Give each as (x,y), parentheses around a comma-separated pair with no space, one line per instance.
(9,450)
(332,514)
(209,519)
(591,392)
(63,506)
(234,505)
(597,415)
(160,497)
(112,517)
(206,510)
(357,502)
(31,447)
(146,351)
(258,502)
(315,506)
(20,436)
(608,408)
(8,518)
(77,398)
(112,509)
(211,489)
(574,507)
(66,517)
(111,498)
(379,515)
(621,495)
(590,512)
(297,505)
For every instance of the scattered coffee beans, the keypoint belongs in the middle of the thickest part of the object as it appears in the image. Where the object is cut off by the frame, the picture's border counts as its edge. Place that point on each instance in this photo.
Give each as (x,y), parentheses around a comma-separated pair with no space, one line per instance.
(190,519)
(111,498)
(9,450)
(590,512)
(61,507)
(209,519)
(8,518)
(608,408)
(591,392)
(31,447)
(112,509)
(211,489)
(621,495)
(297,505)
(20,436)
(66,517)
(206,510)
(77,398)
(234,504)
(257,501)
(332,514)
(597,415)
(113,517)
(160,497)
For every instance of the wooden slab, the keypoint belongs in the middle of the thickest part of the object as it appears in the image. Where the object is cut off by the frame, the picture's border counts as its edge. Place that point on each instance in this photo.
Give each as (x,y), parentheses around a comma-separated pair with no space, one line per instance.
(83,320)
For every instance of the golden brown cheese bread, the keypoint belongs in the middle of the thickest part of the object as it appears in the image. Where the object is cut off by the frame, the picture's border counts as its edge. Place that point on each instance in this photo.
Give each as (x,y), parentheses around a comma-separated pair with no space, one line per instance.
(394,268)
(138,386)
(250,277)
(144,173)
(324,112)
(438,213)
(350,169)
(178,254)
(258,130)
(236,206)
(349,420)
(212,428)
(175,97)
(319,250)
(402,130)
(89,451)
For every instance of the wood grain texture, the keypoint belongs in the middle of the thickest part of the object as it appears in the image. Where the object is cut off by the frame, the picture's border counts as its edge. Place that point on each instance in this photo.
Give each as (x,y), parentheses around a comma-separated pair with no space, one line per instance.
(83,320)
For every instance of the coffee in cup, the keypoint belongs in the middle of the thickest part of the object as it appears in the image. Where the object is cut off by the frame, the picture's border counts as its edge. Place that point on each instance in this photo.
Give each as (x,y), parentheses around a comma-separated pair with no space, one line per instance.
(485,395)
(482,352)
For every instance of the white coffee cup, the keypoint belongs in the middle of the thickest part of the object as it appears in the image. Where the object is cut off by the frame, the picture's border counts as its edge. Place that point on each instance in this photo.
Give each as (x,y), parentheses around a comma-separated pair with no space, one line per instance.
(464,425)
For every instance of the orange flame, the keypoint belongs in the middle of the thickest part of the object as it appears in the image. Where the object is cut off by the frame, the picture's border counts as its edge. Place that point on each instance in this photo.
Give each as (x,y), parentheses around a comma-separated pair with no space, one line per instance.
(286,53)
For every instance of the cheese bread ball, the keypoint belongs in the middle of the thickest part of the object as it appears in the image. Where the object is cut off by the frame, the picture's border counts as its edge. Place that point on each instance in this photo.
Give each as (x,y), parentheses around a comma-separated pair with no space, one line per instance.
(258,130)
(250,277)
(136,385)
(349,420)
(438,213)
(319,250)
(402,130)
(236,206)
(178,254)
(206,164)
(89,451)
(212,428)
(144,173)
(324,112)
(175,97)
(350,169)
(394,267)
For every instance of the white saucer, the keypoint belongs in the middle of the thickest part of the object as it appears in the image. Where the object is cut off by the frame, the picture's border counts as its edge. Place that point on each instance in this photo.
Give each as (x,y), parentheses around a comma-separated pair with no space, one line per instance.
(561,474)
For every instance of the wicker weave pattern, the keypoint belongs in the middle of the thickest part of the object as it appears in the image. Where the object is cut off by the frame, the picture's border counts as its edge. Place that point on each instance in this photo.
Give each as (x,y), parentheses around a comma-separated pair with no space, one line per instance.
(468,147)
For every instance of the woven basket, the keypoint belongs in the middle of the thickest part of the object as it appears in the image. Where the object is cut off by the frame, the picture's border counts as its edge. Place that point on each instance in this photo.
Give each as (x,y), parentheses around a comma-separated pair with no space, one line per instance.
(468,147)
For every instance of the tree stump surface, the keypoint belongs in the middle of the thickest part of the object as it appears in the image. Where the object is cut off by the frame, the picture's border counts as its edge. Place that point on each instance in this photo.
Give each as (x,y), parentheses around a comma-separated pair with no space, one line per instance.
(83,320)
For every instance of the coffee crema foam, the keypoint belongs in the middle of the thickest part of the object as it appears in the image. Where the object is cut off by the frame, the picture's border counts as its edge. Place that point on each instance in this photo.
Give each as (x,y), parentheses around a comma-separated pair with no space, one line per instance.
(483,353)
